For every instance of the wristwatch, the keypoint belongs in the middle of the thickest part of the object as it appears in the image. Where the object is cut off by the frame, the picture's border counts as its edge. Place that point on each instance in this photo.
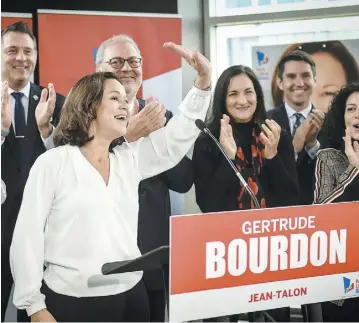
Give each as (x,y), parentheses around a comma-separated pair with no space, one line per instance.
(4,133)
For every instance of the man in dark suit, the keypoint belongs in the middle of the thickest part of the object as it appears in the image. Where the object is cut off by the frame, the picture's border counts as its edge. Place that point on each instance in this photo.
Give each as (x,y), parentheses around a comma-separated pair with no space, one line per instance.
(28,115)
(121,55)
(296,78)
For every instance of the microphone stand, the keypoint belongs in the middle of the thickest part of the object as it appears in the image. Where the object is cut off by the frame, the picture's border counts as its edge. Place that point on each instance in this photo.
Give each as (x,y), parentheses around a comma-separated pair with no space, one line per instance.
(238,174)
(261,316)
(311,312)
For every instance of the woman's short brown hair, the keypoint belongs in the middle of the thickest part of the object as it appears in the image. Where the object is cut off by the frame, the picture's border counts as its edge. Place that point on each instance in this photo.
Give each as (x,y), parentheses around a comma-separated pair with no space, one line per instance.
(80,110)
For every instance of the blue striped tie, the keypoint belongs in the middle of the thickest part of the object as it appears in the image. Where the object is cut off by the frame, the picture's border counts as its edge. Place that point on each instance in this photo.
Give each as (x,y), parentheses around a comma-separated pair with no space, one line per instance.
(297,123)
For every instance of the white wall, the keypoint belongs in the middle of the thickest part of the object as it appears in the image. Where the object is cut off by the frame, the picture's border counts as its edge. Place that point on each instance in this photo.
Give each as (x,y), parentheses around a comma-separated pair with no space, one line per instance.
(192,38)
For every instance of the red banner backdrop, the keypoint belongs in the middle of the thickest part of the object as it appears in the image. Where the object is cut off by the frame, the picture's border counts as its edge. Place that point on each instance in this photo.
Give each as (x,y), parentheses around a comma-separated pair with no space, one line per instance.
(8,19)
(69,41)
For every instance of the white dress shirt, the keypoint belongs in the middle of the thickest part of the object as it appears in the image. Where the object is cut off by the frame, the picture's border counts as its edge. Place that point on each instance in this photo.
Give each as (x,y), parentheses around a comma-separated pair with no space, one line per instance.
(292,119)
(72,223)
(48,143)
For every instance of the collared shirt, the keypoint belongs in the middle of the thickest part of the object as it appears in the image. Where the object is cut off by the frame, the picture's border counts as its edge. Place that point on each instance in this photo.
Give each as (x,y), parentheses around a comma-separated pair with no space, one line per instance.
(25,102)
(73,223)
(292,119)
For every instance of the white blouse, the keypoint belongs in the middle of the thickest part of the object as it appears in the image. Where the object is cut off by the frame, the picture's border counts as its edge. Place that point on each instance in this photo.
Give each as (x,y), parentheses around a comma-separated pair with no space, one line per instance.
(72,223)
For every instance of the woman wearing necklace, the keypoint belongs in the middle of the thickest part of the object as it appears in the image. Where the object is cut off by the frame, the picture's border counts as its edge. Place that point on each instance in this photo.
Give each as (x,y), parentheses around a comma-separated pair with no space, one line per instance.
(261,151)
(80,204)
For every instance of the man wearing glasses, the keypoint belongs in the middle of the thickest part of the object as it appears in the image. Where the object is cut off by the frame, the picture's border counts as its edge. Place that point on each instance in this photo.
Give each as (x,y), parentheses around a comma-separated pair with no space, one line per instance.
(121,55)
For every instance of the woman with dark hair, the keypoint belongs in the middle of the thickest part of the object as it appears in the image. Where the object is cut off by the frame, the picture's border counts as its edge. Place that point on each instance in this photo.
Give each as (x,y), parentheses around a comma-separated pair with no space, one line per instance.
(337,176)
(335,67)
(80,205)
(337,167)
(261,151)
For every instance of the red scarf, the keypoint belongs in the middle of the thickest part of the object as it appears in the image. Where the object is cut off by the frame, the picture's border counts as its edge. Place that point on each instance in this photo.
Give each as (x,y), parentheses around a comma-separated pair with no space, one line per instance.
(251,172)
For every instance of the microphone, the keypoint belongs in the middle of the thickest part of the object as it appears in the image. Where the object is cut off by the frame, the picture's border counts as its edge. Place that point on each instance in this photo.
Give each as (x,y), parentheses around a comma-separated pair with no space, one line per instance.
(202,126)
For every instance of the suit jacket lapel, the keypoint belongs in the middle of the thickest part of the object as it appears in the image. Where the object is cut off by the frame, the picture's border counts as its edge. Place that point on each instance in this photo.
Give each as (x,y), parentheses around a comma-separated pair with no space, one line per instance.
(32,131)
(13,145)
(284,121)
(283,118)
(303,154)
(34,99)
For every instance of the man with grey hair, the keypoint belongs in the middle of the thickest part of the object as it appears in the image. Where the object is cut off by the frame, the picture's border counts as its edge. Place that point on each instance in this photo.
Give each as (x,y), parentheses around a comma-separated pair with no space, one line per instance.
(121,55)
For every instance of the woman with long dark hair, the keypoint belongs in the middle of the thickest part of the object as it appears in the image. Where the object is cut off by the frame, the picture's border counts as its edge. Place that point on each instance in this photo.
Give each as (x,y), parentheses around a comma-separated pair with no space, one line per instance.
(260,149)
(337,176)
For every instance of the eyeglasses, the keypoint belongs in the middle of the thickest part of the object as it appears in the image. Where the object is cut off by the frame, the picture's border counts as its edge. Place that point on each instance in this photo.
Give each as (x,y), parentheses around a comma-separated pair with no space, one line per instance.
(118,62)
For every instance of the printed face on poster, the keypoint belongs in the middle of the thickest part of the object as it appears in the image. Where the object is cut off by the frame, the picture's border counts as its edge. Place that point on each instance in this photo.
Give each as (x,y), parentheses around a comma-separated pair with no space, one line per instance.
(336,65)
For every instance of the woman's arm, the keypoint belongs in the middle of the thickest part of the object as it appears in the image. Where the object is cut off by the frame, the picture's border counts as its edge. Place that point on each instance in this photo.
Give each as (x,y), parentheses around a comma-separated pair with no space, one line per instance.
(27,248)
(214,179)
(328,188)
(164,148)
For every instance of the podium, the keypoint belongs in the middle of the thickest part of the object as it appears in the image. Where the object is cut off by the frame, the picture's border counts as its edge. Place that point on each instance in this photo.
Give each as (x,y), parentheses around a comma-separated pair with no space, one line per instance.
(155,259)
(251,261)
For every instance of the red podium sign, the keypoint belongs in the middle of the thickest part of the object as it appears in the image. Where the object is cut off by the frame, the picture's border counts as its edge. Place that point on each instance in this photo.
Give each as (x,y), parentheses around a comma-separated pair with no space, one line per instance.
(243,261)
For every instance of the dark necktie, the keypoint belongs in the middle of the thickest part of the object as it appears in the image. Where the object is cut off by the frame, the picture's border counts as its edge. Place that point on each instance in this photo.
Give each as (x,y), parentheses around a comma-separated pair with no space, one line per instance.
(20,122)
(298,121)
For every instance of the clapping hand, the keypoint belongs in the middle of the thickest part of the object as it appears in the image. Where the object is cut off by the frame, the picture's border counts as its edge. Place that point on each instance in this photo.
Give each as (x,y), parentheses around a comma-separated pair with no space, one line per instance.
(6,115)
(226,138)
(45,110)
(351,149)
(270,136)
(150,118)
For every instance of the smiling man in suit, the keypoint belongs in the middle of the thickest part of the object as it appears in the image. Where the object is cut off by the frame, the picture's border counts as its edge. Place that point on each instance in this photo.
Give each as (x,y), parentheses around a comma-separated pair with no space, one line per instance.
(28,115)
(296,78)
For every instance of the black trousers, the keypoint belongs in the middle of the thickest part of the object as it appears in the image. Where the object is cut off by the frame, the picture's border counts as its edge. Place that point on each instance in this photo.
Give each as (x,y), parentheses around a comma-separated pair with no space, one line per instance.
(130,306)
(348,312)
(157,303)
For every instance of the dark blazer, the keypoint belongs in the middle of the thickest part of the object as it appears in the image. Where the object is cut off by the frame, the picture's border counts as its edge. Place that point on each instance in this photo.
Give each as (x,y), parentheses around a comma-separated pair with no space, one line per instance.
(17,157)
(336,180)
(305,165)
(16,161)
(155,209)
(217,186)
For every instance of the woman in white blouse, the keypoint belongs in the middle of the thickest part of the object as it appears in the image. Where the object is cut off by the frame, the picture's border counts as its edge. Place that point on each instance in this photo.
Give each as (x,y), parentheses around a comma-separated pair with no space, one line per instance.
(80,203)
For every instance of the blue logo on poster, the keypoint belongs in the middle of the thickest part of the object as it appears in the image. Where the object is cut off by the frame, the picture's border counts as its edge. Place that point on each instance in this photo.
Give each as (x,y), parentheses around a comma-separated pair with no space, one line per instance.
(348,285)
(262,58)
